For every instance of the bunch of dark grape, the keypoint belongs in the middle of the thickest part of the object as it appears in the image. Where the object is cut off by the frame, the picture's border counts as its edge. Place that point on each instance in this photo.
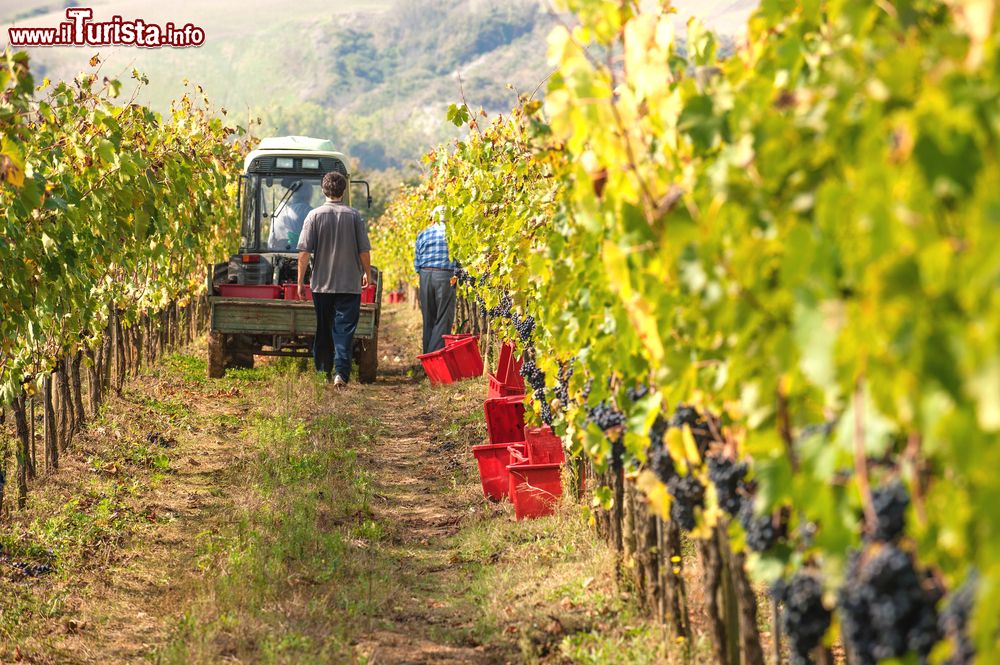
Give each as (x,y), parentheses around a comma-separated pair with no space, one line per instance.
(662,464)
(545,410)
(727,476)
(657,430)
(636,393)
(890,503)
(464,278)
(524,326)
(32,569)
(502,310)
(607,417)
(688,415)
(954,622)
(688,494)
(805,620)
(885,609)
(562,385)
(685,415)
(659,457)
(532,374)
(761,533)
(586,388)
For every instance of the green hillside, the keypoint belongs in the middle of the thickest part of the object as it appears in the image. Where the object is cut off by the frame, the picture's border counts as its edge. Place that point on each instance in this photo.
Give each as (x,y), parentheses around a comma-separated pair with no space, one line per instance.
(381,87)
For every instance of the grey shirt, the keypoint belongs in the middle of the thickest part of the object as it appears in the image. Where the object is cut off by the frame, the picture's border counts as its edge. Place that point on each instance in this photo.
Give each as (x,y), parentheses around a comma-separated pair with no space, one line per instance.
(336,235)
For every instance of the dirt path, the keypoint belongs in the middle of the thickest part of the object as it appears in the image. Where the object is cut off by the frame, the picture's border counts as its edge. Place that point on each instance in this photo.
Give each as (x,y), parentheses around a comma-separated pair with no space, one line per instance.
(267,518)
(128,604)
(426,499)
(120,601)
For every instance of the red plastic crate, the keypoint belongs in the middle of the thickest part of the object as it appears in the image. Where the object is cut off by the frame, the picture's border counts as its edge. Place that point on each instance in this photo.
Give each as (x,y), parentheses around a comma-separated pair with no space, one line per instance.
(291,292)
(493,461)
(509,368)
(498,388)
(440,367)
(258,291)
(368,294)
(505,419)
(543,446)
(518,454)
(535,489)
(450,340)
(465,353)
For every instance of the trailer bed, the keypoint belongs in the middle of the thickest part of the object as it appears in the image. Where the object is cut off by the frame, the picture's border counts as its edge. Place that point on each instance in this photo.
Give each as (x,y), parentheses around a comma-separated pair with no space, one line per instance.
(253,316)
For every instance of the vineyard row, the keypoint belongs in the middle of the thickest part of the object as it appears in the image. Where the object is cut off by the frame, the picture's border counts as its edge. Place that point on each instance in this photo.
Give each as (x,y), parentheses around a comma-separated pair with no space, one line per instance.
(760,296)
(109,214)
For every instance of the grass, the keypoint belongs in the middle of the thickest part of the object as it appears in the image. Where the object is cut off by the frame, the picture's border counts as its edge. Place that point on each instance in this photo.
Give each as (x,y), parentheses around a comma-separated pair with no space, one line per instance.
(550,583)
(308,552)
(84,515)
(62,537)
(188,368)
(297,548)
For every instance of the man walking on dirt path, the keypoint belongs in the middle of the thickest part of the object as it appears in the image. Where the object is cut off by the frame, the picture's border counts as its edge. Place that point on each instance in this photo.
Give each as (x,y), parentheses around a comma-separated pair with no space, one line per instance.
(437,288)
(336,238)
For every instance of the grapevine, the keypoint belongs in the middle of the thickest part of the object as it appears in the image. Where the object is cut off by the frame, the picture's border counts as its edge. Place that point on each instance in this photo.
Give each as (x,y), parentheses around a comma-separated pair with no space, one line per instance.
(800,233)
(110,214)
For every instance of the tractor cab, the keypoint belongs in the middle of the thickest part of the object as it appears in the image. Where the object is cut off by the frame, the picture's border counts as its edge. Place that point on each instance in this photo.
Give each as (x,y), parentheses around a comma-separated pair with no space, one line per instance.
(281,182)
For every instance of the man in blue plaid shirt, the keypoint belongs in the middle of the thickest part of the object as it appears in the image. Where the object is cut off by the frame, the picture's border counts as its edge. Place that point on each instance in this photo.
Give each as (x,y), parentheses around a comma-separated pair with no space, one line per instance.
(437,290)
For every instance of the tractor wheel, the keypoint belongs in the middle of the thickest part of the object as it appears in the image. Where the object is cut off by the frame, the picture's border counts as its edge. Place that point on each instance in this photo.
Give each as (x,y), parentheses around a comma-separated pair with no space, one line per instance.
(366,353)
(216,355)
(240,352)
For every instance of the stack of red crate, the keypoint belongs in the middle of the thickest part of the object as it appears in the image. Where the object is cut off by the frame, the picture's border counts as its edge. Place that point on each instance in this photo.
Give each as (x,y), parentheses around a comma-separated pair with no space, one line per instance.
(521,463)
(535,483)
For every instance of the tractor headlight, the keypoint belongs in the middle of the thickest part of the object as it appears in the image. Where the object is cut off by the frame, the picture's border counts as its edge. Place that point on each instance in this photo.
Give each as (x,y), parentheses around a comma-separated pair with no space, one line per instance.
(284,163)
(310,163)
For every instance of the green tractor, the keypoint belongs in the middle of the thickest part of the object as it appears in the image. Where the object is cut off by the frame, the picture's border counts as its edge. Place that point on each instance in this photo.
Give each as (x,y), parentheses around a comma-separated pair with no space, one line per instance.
(254,307)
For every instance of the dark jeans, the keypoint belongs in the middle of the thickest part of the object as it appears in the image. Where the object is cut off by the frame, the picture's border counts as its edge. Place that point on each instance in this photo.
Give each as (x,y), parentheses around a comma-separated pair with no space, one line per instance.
(437,304)
(336,319)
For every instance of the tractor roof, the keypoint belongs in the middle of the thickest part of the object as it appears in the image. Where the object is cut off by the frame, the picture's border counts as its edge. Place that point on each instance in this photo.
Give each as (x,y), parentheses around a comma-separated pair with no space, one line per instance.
(278,145)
